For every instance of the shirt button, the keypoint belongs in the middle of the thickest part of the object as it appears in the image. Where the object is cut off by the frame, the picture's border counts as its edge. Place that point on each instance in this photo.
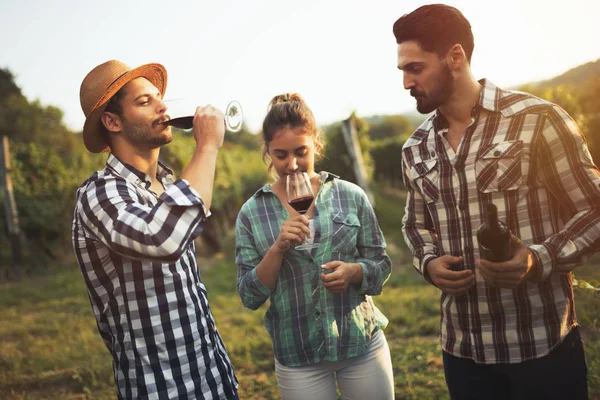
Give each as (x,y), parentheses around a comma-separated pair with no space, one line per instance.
(497,153)
(461,206)
(432,154)
(467,249)
(318,313)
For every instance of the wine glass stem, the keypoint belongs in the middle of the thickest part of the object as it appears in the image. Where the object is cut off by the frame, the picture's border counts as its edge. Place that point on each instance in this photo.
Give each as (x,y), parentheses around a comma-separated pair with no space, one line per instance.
(311,227)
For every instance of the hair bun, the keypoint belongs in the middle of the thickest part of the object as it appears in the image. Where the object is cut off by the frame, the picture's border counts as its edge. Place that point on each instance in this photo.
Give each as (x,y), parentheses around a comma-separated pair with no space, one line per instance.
(286,98)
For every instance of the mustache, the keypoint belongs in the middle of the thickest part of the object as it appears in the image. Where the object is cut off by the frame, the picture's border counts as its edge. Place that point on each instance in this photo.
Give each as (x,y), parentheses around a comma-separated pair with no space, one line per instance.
(415,93)
(161,120)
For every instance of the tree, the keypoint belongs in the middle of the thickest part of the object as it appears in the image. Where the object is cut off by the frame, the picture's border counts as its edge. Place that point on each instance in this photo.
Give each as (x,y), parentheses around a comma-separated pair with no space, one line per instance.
(49,162)
(583,105)
(388,134)
(44,193)
(387,157)
(26,122)
(335,157)
(7,84)
(244,138)
(590,125)
(390,126)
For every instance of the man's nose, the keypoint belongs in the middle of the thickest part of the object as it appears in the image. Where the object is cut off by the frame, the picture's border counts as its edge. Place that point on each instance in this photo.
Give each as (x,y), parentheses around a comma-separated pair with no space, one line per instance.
(409,83)
(162,106)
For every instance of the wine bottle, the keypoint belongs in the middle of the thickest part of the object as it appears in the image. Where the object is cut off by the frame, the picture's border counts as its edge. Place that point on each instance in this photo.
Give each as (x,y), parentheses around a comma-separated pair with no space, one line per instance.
(493,237)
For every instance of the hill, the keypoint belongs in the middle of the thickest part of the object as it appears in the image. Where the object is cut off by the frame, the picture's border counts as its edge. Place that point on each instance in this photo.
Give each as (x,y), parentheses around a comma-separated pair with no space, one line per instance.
(577,76)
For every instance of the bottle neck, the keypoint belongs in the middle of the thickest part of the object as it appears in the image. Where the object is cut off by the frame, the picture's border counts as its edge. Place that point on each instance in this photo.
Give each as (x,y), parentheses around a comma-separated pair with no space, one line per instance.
(491,217)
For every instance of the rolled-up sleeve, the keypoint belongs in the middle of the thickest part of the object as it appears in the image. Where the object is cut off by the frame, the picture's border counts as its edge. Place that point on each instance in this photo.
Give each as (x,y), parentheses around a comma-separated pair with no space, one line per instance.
(111,212)
(251,290)
(374,261)
(417,227)
(569,173)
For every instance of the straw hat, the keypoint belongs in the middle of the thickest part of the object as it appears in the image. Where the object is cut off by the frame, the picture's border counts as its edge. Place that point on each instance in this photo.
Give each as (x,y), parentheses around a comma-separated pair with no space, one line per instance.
(100,85)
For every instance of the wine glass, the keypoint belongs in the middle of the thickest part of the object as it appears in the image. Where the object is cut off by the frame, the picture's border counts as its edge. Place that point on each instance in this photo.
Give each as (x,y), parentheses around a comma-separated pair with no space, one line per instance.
(233,116)
(300,196)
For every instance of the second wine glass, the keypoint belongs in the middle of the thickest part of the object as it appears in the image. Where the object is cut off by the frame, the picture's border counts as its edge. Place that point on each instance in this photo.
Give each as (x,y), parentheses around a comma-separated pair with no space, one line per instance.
(300,196)
(233,117)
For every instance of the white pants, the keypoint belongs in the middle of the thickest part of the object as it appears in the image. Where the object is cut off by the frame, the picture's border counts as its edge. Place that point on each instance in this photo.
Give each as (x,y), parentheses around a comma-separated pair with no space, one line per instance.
(368,376)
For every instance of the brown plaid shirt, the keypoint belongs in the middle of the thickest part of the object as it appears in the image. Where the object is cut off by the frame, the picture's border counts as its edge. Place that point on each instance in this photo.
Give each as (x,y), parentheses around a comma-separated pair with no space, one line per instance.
(528,157)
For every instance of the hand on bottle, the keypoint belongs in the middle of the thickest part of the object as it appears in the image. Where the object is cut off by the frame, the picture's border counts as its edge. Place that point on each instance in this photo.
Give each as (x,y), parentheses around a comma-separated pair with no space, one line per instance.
(293,230)
(508,274)
(450,282)
(209,127)
(341,276)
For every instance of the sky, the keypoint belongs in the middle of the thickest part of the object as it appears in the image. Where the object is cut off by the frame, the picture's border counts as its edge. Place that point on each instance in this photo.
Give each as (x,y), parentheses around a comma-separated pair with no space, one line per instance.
(340,55)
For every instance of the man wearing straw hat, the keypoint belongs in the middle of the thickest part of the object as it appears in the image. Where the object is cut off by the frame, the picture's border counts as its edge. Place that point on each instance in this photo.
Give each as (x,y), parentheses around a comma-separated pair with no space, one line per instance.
(133,234)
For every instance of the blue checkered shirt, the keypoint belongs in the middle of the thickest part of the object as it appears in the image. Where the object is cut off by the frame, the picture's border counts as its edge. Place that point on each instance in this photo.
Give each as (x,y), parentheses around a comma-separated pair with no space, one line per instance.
(136,254)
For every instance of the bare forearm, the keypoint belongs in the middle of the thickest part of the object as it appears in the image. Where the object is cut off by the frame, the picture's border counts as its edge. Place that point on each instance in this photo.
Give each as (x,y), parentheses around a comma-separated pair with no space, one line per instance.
(200,173)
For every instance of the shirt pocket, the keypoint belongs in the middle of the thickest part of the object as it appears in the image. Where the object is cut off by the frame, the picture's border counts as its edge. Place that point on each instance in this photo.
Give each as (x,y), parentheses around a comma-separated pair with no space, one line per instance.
(346,228)
(425,175)
(498,166)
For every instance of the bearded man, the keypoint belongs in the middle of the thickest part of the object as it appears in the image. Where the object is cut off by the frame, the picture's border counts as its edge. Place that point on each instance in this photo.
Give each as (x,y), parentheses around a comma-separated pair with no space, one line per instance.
(508,329)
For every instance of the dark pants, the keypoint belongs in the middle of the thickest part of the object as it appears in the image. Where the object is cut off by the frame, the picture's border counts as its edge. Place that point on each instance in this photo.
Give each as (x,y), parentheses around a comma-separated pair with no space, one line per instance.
(562,374)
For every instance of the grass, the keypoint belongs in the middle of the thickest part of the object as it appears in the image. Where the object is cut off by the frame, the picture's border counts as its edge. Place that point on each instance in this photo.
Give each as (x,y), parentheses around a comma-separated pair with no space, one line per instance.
(50,348)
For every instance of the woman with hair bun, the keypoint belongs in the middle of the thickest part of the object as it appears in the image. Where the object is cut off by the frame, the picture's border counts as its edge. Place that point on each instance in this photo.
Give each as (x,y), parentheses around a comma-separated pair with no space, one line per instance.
(321,319)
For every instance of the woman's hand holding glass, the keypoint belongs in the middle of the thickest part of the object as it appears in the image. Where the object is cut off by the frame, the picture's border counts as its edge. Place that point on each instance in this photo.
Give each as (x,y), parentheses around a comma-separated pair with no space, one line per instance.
(293,231)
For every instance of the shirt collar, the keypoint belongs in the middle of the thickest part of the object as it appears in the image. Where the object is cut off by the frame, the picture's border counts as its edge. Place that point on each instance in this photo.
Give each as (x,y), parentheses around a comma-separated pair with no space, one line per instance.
(489,97)
(135,176)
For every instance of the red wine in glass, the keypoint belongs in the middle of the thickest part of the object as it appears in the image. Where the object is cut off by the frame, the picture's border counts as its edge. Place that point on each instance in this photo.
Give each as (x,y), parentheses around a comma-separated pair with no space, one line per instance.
(233,118)
(181,122)
(300,196)
(301,204)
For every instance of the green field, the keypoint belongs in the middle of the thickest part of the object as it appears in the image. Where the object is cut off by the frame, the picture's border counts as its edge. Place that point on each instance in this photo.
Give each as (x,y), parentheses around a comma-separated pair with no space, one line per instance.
(50,348)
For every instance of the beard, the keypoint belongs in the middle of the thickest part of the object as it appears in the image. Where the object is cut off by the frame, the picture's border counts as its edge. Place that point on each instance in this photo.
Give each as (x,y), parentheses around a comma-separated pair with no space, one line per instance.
(142,135)
(440,93)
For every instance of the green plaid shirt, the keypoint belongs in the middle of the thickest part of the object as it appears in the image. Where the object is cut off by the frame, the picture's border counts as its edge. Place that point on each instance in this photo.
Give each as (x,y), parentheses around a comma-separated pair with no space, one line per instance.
(306,322)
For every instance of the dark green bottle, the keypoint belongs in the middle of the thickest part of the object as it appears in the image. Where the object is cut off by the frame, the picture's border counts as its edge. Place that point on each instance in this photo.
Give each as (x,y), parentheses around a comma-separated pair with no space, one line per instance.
(493,237)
